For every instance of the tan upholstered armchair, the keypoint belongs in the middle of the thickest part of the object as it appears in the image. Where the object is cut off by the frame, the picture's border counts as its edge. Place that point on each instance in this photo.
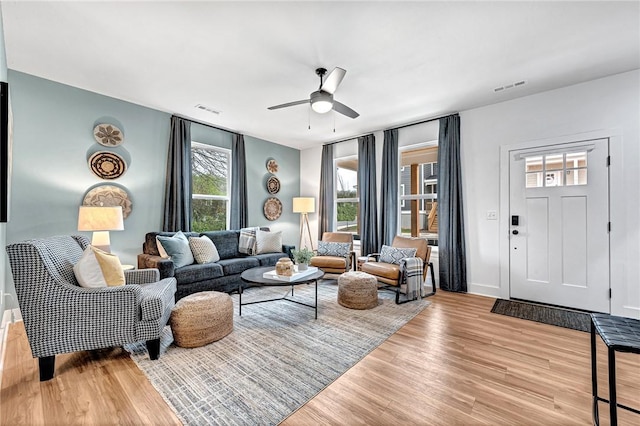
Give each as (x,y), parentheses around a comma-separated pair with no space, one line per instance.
(334,258)
(390,274)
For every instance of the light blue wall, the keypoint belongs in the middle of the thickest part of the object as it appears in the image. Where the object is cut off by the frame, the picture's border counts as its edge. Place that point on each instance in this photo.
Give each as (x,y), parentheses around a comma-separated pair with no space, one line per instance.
(53,131)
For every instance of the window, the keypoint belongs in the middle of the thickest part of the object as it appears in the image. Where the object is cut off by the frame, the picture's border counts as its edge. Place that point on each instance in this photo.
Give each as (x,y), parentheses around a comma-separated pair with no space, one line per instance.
(419,193)
(211,187)
(565,169)
(347,199)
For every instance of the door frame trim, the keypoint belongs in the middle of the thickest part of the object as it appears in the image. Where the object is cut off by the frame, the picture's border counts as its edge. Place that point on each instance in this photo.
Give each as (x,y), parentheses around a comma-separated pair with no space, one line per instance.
(617,271)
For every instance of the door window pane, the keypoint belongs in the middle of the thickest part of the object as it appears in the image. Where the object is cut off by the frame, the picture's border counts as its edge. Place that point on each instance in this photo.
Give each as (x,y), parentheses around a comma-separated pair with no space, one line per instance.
(534,164)
(553,161)
(576,177)
(534,180)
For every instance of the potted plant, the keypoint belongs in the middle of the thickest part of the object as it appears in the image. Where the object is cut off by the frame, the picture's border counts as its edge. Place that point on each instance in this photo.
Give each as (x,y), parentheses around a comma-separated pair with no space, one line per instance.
(302,258)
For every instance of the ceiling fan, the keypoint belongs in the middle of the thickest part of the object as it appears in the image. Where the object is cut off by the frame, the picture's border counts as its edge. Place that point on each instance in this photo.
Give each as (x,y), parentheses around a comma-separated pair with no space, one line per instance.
(322,99)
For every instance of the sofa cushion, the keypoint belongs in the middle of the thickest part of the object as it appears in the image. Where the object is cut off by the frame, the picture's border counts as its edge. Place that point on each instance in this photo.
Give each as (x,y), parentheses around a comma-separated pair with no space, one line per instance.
(150,245)
(225,241)
(203,249)
(196,272)
(269,259)
(177,247)
(97,268)
(335,262)
(238,265)
(268,242)
(390,254)
(390,271)
(333,249)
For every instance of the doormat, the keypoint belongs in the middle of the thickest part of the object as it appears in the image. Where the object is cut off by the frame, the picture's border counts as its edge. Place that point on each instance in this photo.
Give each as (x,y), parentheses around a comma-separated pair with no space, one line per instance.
(552,315)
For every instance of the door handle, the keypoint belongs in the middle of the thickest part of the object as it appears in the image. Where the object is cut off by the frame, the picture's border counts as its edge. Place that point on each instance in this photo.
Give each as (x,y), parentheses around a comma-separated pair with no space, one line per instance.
(515,232)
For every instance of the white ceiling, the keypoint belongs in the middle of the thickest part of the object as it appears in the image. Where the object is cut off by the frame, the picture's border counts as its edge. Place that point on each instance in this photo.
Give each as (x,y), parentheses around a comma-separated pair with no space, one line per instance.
(405,61)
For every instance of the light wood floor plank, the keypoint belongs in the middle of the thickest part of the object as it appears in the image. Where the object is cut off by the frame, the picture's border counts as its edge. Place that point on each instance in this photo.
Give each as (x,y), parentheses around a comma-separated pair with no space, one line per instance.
(454,364)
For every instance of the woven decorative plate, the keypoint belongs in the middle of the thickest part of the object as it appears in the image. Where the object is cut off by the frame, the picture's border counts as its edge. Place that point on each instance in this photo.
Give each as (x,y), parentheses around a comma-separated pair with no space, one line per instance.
(272,208)
(107,165)
(108,196)
(108,135)
(272,166)
(273,185)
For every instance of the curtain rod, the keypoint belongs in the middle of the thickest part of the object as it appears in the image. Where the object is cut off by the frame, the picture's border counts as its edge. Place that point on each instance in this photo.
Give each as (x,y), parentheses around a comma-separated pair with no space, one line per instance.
(204,124)
(399,127)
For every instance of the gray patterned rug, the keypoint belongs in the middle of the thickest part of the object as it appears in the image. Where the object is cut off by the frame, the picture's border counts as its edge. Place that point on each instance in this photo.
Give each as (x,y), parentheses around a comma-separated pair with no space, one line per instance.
(276,359)
(561,317)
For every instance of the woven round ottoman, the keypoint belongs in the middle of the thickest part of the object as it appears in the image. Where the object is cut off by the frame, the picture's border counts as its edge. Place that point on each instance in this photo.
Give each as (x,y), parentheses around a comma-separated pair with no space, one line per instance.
(201,318)
(357,290)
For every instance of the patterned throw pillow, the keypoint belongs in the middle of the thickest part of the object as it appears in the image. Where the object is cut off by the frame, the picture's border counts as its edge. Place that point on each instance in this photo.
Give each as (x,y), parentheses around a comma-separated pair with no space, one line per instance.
(268,242)
(390,254)
(177,247)
(333,249)
(203,249)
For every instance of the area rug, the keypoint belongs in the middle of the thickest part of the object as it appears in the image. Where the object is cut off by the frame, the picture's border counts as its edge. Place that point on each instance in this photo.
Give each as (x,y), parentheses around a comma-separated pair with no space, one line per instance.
(561,317)
(276,359)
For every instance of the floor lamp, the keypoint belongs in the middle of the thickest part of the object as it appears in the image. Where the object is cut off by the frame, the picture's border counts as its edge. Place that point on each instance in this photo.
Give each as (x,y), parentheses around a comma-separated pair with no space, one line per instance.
(304,206)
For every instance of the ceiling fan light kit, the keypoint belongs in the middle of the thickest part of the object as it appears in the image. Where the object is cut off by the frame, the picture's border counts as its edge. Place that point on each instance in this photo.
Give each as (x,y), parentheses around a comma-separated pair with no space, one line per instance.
(321,102)
(322,99)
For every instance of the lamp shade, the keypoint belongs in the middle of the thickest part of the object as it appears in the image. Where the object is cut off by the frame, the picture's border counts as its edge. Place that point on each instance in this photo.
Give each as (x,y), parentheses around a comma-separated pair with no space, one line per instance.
(100,219)
(304,204)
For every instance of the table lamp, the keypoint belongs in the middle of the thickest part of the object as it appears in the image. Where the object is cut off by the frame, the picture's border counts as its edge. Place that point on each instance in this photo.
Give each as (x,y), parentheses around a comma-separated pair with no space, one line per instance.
(100,220)
(304,206)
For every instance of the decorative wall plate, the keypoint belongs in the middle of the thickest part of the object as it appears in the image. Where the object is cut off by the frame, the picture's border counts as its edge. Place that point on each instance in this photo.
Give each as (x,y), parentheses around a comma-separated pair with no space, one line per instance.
(107,165)
(108,135)
(273,185)
(272,208)
(272,166)
(108,196)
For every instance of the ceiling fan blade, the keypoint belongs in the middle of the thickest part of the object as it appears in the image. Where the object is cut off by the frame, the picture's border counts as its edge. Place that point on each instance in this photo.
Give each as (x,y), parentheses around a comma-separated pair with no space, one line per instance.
(333,80)
(306,101)
(344,110)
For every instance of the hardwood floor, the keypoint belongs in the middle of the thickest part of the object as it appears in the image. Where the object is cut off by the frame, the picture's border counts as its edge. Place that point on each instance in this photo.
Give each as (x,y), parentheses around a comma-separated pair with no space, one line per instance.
(455,363)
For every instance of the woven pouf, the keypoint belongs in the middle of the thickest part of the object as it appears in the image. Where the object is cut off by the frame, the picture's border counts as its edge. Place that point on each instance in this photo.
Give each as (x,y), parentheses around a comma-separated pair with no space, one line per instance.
(357,290)
(201,318)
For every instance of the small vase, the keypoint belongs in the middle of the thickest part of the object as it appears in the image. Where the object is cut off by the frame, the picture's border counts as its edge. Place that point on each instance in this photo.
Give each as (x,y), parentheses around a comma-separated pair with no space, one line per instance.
(302,266)
(284,267)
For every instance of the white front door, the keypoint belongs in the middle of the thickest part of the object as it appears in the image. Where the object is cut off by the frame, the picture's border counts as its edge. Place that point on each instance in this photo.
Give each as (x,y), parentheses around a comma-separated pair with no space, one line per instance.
(559,217)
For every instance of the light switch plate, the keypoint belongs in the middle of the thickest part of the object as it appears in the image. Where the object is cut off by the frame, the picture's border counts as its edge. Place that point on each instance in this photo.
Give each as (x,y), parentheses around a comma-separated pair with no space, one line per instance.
(492,215)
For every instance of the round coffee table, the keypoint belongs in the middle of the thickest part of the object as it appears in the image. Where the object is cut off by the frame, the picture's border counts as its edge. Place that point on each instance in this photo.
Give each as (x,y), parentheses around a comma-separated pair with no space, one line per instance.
(255,277)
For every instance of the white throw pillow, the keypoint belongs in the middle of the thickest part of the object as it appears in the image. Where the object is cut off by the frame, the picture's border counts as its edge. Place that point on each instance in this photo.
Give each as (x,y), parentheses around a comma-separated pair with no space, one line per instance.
(97,268)
(203,249)
(268,242)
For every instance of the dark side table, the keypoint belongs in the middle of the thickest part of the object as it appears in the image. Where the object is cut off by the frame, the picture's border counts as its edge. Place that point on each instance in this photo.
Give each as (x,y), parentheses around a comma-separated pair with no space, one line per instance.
(620,334)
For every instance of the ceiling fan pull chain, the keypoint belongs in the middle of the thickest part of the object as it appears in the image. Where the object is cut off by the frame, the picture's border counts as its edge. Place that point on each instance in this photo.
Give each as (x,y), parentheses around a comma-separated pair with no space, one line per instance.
(334,121)
(309,117)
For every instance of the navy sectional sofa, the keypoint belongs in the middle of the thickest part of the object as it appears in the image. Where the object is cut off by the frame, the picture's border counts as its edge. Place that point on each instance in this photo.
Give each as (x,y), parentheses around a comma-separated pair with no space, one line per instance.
(223,275)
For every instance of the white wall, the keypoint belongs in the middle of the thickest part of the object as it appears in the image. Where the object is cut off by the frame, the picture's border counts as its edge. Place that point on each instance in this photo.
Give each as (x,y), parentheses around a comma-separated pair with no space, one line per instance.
(610,106)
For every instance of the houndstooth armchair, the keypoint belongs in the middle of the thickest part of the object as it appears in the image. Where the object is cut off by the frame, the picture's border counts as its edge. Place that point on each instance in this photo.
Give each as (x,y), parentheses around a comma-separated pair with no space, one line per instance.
(60,316)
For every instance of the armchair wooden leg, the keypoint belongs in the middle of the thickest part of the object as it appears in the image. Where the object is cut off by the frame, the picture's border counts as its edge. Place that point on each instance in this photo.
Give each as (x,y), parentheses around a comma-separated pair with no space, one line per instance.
(153,346)
(47,365)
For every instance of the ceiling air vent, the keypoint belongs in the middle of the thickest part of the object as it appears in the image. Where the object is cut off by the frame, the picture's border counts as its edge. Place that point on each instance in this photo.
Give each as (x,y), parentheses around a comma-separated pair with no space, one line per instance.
(208,109)
(510,86)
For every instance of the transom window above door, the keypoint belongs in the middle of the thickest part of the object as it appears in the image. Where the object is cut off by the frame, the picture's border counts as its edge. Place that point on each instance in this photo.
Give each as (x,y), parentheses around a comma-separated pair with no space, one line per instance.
(557,169)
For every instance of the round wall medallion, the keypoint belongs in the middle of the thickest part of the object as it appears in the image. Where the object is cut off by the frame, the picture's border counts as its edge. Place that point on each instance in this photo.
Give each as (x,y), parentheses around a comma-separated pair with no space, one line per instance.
(108,196)
(272,166)
(108,135)
(272,208)
(273,185)
(107,165)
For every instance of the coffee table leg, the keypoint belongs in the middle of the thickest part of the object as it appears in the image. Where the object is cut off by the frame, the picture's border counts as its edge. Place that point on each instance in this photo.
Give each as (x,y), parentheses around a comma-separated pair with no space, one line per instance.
(240,299)
(316,299)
